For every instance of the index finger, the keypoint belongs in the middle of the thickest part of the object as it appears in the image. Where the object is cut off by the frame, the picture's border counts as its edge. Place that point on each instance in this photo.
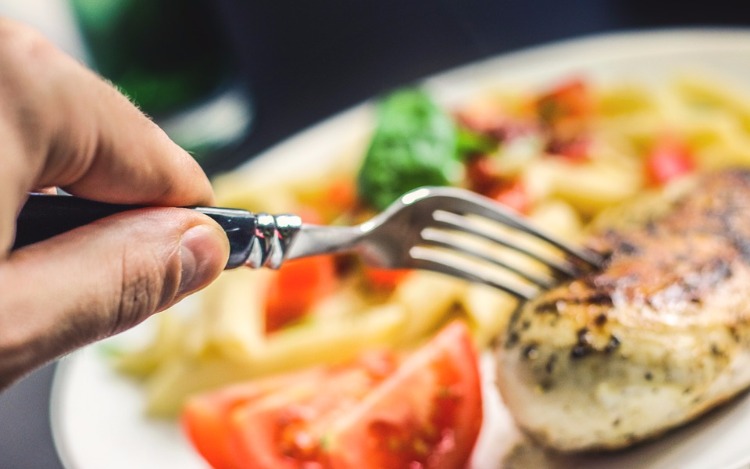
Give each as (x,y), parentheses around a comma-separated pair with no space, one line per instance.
(64,126)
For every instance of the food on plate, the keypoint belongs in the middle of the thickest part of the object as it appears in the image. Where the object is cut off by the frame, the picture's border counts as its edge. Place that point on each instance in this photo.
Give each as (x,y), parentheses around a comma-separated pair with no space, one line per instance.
(656,337)
(421,409)
(566,155)
(413,145)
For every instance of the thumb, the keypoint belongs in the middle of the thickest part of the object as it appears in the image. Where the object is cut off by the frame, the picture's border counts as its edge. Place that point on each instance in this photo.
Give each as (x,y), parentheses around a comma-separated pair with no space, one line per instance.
(101,279)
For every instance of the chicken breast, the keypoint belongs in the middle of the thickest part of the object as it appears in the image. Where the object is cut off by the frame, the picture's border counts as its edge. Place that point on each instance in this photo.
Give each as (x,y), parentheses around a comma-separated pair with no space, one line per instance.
(658,336)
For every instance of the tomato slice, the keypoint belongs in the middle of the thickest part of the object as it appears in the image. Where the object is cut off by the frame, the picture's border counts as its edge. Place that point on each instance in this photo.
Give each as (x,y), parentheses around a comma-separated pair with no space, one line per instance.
(668,160)
(572,99)
(423,409)
(384,279)
(427,415)
(482,174)
(341,196)
(286,429)
(576,150)
(205,416)
(297,285)
(513,195)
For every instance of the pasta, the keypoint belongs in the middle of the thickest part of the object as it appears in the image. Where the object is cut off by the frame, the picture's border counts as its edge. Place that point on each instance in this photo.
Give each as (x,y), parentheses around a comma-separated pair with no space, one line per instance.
(224,339)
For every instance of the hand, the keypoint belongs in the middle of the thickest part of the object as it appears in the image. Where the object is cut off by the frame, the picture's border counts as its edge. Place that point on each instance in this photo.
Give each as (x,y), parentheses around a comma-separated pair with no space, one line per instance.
(62,126)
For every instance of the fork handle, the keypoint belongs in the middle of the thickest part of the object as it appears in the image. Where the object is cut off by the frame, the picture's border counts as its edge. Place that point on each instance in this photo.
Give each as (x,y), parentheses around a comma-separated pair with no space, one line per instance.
(44,216)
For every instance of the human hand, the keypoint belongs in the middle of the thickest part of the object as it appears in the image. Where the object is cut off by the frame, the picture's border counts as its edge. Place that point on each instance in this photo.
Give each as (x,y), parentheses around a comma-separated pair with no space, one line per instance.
(63,126)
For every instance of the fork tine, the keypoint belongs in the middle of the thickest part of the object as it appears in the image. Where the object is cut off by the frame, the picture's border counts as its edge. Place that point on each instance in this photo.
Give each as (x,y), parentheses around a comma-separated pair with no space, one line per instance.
(472,203)
(435,238)
(433,260)
(460,223)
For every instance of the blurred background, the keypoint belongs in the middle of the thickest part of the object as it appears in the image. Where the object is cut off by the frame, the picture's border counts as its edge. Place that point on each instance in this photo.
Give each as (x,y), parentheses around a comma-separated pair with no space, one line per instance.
(227,79)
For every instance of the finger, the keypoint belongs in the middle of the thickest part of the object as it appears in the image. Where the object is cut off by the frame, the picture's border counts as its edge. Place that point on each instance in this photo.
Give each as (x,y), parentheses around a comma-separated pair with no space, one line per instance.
(125,268)
(62,125)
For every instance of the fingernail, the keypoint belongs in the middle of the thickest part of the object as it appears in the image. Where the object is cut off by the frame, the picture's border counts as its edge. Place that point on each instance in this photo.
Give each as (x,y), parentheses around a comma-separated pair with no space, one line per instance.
(202,257)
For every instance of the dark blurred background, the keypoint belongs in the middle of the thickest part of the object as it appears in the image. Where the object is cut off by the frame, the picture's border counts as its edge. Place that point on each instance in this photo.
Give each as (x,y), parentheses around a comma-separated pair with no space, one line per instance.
(229,78)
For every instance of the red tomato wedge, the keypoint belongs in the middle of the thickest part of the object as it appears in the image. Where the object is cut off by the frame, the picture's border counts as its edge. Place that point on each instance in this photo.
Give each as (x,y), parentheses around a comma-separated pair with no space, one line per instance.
(575,150)
(384,279)
(341,196)
(205,416)
(426,415)
(514,196)
(297,285)
(421,410)
(668,160)
(572,99)
(482,174)
(285,429)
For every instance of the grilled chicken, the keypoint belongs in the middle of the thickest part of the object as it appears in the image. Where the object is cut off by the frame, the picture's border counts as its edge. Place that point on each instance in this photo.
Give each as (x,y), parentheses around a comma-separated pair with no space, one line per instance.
(656,337)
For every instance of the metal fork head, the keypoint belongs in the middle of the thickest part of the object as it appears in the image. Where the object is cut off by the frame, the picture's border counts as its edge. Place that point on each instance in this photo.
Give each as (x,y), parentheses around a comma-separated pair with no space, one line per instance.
(463,234)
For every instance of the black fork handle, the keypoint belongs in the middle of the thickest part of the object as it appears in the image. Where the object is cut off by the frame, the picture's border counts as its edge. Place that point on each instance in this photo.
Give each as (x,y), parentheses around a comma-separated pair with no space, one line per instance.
(44,216)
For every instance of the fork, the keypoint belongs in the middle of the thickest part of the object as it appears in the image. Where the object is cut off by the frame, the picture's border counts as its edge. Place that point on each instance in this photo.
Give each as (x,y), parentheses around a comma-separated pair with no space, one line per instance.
(442,229)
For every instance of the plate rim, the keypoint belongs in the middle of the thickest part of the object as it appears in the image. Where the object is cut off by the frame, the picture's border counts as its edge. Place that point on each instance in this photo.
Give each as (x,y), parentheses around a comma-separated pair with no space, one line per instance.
(670,40)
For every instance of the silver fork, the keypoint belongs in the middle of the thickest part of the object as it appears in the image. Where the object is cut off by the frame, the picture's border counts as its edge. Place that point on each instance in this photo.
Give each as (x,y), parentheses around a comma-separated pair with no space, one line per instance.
(442,229)
(419,230)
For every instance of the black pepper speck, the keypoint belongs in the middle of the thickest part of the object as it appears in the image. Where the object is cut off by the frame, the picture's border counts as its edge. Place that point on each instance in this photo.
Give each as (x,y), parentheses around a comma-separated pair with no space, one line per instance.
(530,352)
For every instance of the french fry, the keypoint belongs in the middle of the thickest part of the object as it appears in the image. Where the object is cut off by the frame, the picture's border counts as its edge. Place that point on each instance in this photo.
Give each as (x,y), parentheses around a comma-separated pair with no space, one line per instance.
(232,314)
(330,341)
(558,218)
(427,298)
(286,350)
(166,343)
(590,187)
(184,375)
(488,311)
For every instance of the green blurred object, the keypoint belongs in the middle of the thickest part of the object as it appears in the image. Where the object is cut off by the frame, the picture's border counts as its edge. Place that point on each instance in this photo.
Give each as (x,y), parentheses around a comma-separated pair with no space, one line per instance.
(170,57)
(415,144)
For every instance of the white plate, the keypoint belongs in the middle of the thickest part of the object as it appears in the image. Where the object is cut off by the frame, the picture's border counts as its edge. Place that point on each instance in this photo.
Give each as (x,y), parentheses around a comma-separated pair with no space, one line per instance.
(97,418)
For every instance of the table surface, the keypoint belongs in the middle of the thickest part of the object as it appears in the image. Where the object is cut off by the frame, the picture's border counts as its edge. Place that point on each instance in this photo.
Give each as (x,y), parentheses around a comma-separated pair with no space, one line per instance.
(305,61)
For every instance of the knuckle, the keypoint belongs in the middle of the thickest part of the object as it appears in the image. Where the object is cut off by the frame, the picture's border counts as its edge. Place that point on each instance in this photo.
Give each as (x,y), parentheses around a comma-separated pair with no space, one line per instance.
(25,50)
(25,58)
